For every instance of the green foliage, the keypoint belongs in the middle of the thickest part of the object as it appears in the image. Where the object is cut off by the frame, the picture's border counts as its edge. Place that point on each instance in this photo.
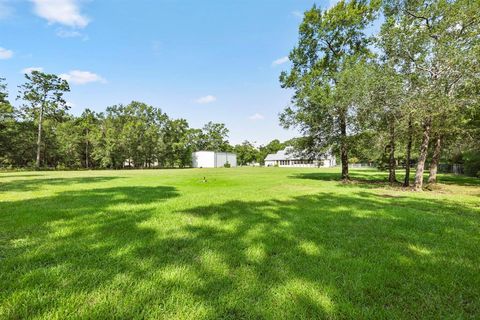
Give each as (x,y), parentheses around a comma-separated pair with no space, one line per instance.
(43,93)
(213,137)
(472,163)
(133,135)
(7,124)
(42,96)
(246,152)
(331,44)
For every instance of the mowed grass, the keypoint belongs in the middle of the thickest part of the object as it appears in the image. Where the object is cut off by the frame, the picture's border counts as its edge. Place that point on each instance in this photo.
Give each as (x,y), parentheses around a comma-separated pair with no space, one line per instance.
(250,243)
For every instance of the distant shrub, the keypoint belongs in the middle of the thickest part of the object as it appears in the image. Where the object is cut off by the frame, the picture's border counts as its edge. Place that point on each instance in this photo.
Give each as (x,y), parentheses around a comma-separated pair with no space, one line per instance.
(227,165)
(472,163)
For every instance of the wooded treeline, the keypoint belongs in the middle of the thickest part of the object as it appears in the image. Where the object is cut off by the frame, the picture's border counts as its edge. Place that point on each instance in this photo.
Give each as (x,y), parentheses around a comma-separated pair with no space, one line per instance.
(409,91)
(41,133)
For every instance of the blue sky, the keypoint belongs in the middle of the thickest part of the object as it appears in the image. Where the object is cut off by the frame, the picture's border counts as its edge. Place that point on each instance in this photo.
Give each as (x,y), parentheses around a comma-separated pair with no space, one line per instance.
(199,60)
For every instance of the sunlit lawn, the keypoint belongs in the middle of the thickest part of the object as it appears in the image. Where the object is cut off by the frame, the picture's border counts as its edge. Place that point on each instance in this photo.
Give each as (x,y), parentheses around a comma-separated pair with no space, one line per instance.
(250,243)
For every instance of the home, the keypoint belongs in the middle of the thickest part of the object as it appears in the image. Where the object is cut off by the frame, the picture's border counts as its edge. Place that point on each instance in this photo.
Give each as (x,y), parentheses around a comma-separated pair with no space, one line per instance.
(289,158)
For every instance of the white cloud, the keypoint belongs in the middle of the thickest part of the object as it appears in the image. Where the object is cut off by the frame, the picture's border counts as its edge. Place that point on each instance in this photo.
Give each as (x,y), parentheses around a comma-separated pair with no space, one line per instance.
(82,77)
(206,99)
(5,54)
(65,33)
(297,14)
(30,69)
(5,10)
(70,104)
(256,116)
(280,61)
(66,12)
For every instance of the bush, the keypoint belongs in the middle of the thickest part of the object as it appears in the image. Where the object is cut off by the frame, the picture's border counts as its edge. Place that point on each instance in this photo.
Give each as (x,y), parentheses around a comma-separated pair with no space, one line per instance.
(472,163)
(227,165)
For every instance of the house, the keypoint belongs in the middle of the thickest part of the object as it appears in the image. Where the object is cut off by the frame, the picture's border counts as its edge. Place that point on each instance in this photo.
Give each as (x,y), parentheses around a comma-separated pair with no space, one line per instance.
(288,158)
(212,159)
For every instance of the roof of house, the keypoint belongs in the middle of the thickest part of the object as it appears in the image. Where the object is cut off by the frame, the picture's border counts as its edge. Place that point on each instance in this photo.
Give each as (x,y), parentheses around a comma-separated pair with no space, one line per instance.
(216,152)
(286,154)
(281,155)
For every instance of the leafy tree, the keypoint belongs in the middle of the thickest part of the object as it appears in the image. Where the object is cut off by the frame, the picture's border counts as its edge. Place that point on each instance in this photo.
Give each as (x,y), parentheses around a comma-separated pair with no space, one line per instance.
(246,153)
(43,98)
(382,106)
(178,146)
(88,122)
(436,42)
(214,137)
(69,138)
(7,122)
(330,42)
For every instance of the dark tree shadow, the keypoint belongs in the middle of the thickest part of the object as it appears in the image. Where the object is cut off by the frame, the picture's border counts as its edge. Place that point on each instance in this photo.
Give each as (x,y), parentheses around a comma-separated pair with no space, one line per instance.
(372,179)
(459,180)
(34,184)
(129,252)
(362,178)
(23,175)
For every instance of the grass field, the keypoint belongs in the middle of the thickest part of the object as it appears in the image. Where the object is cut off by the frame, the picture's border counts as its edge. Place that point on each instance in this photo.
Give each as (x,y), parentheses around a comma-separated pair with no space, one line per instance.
(250,243)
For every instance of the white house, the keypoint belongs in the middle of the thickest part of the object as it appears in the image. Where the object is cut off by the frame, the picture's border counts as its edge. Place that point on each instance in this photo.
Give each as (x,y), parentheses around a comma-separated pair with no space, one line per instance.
(212,159)
(288,158)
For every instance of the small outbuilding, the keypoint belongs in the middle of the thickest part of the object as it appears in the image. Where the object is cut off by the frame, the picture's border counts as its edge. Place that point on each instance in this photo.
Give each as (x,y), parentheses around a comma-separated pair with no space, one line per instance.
(213,159)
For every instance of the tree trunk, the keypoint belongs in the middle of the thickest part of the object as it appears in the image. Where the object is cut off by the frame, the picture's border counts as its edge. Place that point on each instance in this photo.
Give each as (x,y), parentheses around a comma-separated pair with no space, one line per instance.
(86,151)
(423,155)
(391,163)
(344,147)
(432,178)
(406,181)
(39,137)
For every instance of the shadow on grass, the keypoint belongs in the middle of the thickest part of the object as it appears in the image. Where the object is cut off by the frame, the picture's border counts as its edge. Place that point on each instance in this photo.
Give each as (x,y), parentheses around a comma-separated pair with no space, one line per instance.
(373,178)
(123,253)
(22,175)
(35,183)
(364,178)
(459,180)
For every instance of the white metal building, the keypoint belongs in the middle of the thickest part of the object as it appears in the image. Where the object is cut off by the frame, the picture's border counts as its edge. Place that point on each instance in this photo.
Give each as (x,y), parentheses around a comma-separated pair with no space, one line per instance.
(212,159)
(287,158)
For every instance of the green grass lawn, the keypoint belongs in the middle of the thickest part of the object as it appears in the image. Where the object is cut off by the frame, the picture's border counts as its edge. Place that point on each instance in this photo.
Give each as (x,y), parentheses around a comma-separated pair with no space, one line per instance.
(250,243)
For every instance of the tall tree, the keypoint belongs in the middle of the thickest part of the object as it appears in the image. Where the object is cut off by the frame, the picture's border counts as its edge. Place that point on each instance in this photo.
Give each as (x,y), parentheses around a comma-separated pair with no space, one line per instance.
(382,110)
(88,122)
(69,136)
(214,137)
(438,42)
(7,122)
(330,41)
(178,147)
(246,152)
(42,94)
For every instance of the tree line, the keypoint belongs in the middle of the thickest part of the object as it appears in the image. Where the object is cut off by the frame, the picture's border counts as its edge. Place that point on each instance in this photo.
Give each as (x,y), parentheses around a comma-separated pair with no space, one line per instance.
(407,92)
(41,133)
